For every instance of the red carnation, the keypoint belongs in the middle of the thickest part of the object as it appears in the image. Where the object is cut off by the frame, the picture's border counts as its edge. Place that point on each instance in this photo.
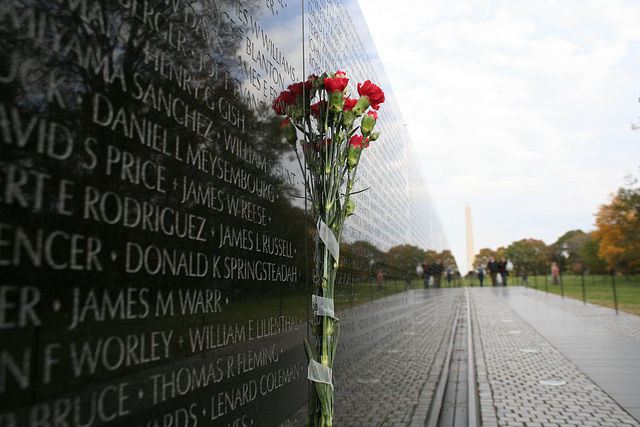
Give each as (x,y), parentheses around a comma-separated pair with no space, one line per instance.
(317,108)
(337,83)
(325,143)
(373,92)
(307,146)
(298,89)
(357,140)
(282,102)
(356,145)
(349,103)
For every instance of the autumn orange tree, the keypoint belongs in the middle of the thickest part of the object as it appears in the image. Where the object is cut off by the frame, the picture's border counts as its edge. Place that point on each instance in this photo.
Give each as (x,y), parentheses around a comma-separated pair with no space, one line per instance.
(618,229)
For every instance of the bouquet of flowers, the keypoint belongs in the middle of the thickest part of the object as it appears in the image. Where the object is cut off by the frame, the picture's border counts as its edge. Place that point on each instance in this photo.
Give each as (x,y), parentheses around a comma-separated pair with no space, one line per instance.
(332,131)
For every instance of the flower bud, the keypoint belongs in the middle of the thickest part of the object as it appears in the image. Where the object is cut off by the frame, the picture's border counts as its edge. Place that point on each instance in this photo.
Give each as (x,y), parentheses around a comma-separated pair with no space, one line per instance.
(353,156)
(347,118)
(368,122)
(355,148)
(374,136)
(336,102)
(362,104)
(289,131)
(350,207)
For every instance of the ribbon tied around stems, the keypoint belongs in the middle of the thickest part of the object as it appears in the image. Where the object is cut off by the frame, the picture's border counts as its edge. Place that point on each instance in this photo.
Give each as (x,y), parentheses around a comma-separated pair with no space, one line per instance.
(322,306)
(329,239)
(319,373)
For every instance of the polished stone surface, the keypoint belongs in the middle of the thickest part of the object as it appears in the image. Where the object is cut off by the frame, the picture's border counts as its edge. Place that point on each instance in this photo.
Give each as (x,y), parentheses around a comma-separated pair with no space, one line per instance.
(154,243)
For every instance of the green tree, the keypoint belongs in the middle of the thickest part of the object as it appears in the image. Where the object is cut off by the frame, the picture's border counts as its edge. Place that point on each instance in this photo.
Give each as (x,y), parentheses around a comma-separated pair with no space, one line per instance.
(482,258)
(447,259)
(406,258)
(588,253)
(430,256)
(529,253)
(565,251)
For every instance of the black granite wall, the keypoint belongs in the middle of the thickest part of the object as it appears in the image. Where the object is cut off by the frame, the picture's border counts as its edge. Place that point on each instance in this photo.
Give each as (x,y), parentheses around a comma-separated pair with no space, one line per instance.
(153,243)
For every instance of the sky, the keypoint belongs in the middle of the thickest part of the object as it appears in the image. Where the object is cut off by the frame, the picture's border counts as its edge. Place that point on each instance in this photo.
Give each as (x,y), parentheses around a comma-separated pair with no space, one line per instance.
(523,109)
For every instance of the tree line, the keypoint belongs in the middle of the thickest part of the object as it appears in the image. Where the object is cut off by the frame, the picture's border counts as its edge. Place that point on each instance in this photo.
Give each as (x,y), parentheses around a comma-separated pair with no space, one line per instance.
(614,245)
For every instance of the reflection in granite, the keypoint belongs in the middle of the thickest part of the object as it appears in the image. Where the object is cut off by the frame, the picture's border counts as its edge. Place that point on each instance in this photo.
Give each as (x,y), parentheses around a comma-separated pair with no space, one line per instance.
(153,238)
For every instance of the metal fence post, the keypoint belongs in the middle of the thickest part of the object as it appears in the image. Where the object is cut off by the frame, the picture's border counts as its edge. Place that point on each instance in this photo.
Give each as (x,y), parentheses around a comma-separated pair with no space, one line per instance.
(613,283)
(546,283)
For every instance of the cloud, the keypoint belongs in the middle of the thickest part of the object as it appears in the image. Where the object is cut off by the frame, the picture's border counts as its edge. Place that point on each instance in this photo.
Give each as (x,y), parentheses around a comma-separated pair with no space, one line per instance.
(521,109)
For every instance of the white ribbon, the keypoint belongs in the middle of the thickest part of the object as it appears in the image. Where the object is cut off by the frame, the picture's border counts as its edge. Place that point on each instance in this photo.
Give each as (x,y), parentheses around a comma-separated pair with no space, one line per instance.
(329,239)
(322,306)
(320,373)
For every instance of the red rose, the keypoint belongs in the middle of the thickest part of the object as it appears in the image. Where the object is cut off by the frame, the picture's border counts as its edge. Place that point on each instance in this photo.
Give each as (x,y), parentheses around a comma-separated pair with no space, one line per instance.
(373,92)
(282,102)
(373,113)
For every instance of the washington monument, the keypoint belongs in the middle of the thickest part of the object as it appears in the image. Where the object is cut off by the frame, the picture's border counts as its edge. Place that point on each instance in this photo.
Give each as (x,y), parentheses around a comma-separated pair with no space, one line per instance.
(471,252)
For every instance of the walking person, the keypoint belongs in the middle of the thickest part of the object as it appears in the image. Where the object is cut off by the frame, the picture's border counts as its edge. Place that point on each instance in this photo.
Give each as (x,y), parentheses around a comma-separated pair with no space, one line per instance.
(426,273)
(503,271)
(480,273)
(380,278)
(436,270)
(525,277)
(555,273)
(407,283)
(449,273)
(493,268)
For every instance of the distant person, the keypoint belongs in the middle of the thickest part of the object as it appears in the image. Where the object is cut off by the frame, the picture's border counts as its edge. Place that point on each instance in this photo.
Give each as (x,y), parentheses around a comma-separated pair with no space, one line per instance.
(503,271)
(449,274)
(380,278)
(426,274)
(436,270)
(493,268)
(480,273)
(407,283)
(525,277)
(555,272)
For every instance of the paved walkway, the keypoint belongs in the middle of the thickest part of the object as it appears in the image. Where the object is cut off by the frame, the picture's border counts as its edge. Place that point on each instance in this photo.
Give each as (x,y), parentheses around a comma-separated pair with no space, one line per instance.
(544,360)
(540,359)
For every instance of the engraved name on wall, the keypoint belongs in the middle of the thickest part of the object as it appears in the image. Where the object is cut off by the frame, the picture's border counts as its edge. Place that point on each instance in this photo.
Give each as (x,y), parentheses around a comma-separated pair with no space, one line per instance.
(151,245)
